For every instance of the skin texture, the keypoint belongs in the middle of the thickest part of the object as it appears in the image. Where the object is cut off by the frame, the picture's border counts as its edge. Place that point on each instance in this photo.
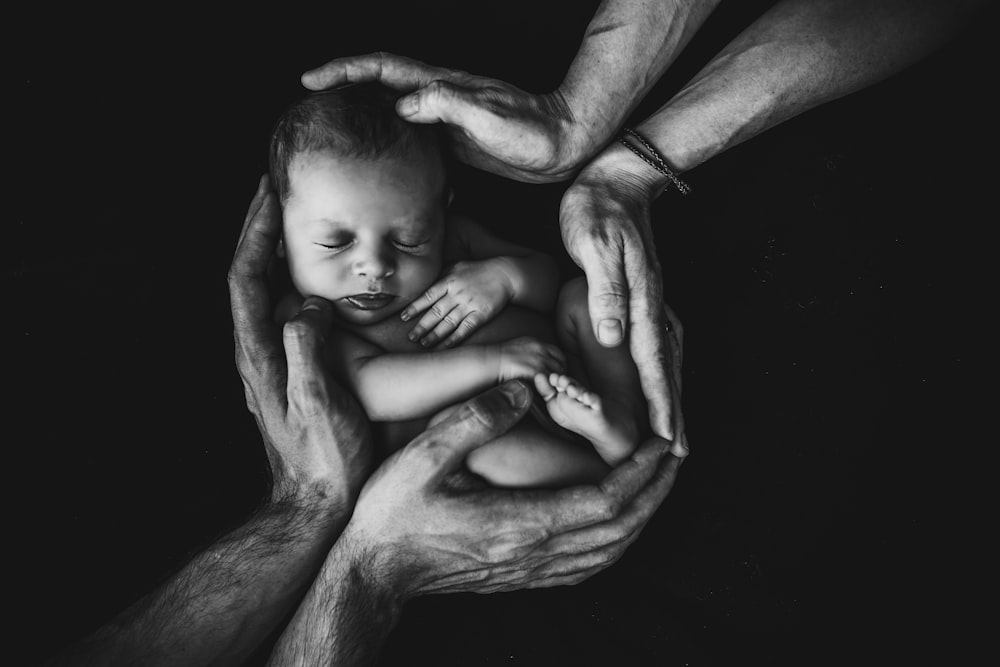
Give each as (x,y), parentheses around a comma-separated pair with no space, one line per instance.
(458,537)
(358,226)
(799,54)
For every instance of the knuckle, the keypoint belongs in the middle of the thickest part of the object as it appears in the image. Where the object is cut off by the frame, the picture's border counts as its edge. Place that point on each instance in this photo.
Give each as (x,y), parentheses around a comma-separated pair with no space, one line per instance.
(295,331)
(612,296)
(607,509)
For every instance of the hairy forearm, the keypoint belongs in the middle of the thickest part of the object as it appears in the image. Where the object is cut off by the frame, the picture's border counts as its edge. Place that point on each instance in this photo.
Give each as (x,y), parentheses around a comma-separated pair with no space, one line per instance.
(345,617)
(626,48)
(397,387)
(218,607)
(534,280)
(798,55)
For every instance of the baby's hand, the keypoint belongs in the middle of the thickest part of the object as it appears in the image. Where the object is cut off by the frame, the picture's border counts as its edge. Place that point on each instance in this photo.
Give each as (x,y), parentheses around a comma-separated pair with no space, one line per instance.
(525,356)
(466,297)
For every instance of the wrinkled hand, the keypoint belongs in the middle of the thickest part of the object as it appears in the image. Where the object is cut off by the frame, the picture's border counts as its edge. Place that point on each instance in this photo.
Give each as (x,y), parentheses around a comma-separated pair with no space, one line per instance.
(492,125)
(420,526)
(466,297)
(315,434)
(604,217)
(522,358)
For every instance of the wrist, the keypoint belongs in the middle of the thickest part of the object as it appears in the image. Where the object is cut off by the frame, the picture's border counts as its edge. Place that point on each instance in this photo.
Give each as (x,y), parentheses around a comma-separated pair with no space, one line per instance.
(580,134)
(506,273)
(375,569)
(617,164)
(323,501)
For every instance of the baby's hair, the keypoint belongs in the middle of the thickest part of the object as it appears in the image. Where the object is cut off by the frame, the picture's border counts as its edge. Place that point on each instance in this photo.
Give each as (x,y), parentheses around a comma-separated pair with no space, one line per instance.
(357,120)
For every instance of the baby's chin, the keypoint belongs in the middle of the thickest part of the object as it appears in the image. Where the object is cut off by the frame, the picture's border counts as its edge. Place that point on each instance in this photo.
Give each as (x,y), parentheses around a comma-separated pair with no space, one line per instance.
(367,314)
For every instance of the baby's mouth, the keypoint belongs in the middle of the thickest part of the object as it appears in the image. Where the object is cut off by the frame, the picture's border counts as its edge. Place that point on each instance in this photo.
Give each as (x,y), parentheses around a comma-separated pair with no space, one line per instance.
(369,300)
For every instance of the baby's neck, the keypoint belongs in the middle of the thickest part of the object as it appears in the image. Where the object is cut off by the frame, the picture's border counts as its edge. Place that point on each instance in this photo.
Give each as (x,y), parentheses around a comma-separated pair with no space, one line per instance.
(389,334)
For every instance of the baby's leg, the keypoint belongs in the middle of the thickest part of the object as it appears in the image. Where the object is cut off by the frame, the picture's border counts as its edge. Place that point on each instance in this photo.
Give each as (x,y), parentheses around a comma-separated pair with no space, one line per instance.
(527,456)
(612,417)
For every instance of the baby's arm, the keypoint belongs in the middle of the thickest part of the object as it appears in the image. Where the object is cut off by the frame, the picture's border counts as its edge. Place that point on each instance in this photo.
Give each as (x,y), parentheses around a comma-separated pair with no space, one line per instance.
(402,386)
(533,276)
(491,274)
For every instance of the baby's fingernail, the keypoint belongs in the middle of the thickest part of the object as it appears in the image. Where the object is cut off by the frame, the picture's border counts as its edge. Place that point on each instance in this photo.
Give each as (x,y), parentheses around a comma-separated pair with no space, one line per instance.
(411,336)
(404,316)
(407,106)
(609,332)
(516,394)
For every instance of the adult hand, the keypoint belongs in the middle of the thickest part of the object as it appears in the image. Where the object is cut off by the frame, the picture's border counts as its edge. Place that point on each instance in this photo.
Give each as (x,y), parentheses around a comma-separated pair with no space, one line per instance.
(493,125)
(604,217)
(315,434)
(416,530)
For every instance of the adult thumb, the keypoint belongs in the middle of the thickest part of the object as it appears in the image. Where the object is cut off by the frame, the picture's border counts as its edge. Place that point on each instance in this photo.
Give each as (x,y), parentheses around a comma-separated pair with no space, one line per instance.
(607,300)
(440,102)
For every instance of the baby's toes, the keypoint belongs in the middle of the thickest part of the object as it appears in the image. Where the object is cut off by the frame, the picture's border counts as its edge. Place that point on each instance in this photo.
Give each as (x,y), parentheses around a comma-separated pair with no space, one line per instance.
(590,399)
(574,391)
(545,386)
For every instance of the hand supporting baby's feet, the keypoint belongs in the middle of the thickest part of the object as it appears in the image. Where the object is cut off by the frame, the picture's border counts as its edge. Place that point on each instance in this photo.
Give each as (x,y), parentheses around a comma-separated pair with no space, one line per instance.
(606,423)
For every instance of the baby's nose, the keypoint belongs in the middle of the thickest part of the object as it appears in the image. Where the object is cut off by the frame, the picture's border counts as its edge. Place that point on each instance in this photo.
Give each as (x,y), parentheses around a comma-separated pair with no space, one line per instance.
(375,263)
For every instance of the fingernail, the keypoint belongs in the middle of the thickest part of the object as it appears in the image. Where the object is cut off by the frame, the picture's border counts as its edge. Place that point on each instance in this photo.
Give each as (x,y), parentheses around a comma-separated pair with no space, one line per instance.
(404,316)
(411,336)
(609,332)
(516,394)
(407,106)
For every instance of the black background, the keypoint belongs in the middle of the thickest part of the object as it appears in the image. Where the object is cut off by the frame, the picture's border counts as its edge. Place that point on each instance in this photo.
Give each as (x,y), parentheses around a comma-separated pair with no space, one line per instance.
(830,274)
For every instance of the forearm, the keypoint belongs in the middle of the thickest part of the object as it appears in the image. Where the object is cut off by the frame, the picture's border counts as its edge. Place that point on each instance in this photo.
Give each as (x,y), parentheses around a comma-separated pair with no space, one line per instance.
(626,48)
(798,55)
(396,387)
(533,280)
(344,618)
(218,608)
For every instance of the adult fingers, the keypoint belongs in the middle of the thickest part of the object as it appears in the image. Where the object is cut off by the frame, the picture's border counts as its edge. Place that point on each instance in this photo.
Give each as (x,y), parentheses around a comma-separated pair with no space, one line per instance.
(442,101)
(624,528)
(438,450)
(258,239)
(304,335)
(564,511)
(258,354)
(263,185)
(398,72)
(648,346)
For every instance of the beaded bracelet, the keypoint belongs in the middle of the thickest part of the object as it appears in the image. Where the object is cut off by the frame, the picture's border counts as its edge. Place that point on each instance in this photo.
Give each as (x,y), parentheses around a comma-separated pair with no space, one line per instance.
(656,162)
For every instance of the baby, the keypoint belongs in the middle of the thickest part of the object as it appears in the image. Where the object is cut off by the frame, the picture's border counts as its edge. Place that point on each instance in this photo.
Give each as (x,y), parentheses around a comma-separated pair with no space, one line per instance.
(365,201)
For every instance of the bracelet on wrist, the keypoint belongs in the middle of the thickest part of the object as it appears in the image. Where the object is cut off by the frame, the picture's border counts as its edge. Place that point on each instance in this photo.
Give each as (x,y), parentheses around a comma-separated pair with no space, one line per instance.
(645,152)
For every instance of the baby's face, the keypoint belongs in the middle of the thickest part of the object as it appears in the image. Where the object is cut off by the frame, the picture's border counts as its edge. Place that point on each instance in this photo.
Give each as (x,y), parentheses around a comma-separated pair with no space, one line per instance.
(365,234)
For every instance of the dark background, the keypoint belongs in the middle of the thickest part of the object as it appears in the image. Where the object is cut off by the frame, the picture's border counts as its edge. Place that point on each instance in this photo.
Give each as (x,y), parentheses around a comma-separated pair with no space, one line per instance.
(830,275)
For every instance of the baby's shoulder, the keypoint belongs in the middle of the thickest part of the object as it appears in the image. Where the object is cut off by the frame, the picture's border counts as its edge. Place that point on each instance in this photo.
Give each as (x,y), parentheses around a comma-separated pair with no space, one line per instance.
(462,234)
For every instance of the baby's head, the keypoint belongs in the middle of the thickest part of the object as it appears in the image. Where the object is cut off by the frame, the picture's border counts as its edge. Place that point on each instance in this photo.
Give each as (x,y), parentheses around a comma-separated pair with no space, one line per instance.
(363,195)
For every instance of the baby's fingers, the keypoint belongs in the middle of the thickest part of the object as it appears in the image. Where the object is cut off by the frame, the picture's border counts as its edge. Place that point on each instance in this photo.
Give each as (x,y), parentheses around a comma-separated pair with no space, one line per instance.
(465,328)
(424,301)
(449,323)
(434,316)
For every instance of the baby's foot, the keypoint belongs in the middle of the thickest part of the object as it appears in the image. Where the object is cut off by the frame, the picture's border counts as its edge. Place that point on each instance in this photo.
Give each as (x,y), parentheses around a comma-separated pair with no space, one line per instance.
(606,424)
